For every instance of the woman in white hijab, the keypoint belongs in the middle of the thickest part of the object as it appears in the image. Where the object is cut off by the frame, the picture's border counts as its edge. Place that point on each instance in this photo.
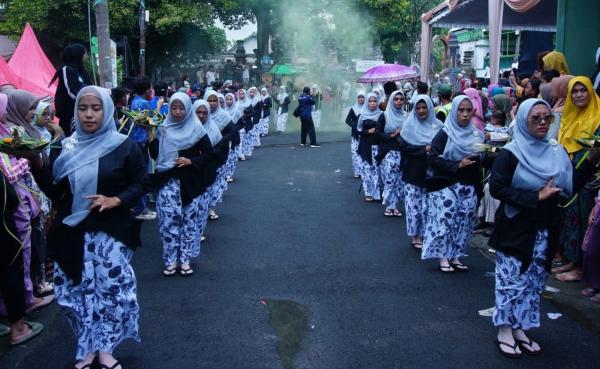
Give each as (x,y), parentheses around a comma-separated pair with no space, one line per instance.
(352,121)
(254,132)
(181,150)
(318,97)
(265,107)
(389,127)
(453,189)
(367,148)
(283,103)
(98,177)
(245,124)
(235,152)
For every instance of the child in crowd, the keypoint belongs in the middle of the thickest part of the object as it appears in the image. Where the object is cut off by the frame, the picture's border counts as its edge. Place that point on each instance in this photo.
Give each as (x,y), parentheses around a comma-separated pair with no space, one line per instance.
(496,132)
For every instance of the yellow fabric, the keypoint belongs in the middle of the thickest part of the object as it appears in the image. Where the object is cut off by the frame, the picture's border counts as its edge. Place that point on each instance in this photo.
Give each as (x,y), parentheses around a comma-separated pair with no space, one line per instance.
(556,60)
(577,120)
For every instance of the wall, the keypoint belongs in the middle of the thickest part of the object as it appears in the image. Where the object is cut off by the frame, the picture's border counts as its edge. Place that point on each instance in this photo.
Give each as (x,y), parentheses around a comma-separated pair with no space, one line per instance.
(578,34)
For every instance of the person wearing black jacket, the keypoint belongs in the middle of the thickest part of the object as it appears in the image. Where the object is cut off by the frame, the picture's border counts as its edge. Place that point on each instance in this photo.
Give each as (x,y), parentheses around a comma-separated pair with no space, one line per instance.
(72,77)
(388,130)
(94,234)
(453,188)
(235,150)
(265,105)
(182,151)
(367,148)
(418,130)
(529,177)
(351,121)
(283,103)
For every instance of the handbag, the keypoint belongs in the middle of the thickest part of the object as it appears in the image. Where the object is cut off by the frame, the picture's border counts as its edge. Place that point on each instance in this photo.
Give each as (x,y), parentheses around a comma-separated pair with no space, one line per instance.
(296,112)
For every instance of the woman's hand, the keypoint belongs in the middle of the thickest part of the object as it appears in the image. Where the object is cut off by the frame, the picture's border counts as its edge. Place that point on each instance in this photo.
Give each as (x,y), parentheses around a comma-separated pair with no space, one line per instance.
(465,162)
(548,190)
(371,131)
(428,148)
(103,202)
(182,162)
(151,134)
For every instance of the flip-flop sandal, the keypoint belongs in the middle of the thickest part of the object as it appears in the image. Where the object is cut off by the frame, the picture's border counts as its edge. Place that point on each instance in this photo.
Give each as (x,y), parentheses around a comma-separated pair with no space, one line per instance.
(170,271)
(186,272)
(213,217)
(508,354)
(459,267)
(44,301)
(526,349)
(397,213)
(417,246)
(202,238)
(369,199)
(589,292)
(116,365)
(388,213)
(446,269)
(36,328)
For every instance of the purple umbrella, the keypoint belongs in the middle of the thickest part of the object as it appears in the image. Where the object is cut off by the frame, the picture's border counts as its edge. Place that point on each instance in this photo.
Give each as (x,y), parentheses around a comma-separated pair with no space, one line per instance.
(388,72)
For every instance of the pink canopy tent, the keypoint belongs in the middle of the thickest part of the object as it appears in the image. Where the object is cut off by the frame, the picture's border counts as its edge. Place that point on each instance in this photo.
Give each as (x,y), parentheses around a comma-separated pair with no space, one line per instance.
(7,76)
(30,62)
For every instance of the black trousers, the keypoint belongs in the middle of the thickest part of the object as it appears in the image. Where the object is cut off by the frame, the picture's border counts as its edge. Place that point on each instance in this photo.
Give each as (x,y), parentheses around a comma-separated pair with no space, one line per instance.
(307,127)
(12,284)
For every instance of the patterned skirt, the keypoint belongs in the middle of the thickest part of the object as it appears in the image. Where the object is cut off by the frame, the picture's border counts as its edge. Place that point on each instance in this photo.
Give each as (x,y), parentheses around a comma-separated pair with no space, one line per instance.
(103,309)
(356,160)
(450,221)
(371,176)
(391,175)
(316,117)
(179,226)
(282,120)
(415,199)
(518,295)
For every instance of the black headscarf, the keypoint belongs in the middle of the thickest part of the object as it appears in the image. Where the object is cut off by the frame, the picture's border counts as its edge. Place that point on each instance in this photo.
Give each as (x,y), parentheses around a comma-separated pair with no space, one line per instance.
(72,56)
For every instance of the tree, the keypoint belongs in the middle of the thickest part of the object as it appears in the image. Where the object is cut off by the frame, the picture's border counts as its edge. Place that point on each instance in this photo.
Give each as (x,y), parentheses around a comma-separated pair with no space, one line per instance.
(398,25)
(103,31)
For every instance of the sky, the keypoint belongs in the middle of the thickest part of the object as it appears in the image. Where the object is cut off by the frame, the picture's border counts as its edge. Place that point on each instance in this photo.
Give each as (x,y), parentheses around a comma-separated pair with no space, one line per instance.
(238,34)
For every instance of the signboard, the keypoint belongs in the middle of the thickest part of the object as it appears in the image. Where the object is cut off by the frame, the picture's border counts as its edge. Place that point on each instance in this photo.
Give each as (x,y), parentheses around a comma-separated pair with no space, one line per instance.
(364,65)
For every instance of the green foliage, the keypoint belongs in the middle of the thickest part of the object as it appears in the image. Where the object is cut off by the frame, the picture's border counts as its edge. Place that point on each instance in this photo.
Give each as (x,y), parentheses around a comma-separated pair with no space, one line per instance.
(398,25)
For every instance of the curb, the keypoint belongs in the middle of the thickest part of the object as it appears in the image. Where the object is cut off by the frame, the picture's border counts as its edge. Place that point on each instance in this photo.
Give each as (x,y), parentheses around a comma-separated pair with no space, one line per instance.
(568,300)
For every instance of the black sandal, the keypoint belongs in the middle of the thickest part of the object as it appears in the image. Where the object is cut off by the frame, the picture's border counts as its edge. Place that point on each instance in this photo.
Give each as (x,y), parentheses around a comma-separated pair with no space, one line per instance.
(527,350)
(446,269)
(116,365)
(388,213)
(460,267)
(188,272)
(508,354)
(170,271)
(417,245)
(397,213)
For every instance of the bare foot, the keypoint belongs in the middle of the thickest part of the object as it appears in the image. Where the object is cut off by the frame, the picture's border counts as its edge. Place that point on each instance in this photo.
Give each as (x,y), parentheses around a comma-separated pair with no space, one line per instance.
(87,360)
(106,359)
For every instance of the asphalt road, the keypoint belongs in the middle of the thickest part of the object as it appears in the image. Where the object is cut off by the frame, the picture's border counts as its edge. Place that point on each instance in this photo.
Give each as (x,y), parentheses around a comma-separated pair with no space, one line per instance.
(300,272)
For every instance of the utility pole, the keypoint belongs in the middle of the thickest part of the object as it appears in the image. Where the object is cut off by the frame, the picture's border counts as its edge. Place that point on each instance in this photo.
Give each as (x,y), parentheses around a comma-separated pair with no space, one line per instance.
(142,21)
(103,32)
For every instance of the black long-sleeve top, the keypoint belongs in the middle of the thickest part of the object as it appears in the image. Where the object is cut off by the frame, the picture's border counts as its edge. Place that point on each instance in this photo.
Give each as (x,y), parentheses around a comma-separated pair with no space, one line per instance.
(516,236)
(256,113)
(352,121)
(414,163)
(247,121)
(121,173)
(265,106)
(191,178)
(285,105)
(367,140)
(386,142)
(231,134)
(446,172)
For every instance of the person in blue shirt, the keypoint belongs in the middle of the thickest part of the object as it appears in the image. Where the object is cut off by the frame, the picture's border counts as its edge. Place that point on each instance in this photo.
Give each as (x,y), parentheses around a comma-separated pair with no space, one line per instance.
(141,101)
(306,103)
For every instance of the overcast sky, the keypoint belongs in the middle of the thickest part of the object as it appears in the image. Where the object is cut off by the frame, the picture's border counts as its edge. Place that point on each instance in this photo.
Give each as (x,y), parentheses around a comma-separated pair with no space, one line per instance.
(238,34)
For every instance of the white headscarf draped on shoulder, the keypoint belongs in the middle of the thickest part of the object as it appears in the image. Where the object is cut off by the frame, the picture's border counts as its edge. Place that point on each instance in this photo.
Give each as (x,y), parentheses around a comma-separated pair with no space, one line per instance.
(232,109)
(220,117)
(264,94)
(461,140)
(81,162)
(539,159)
(214,134)
(366,113)
(174,136)
(420,132)
(357,108)
(253,100)
(394,118)
(282,94)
